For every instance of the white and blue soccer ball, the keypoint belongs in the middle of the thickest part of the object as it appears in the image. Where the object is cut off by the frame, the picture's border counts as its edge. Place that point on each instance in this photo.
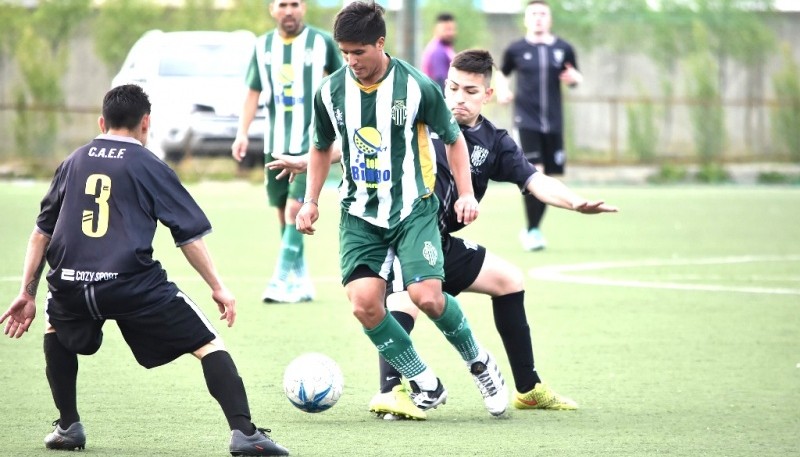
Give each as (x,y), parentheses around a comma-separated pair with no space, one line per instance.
(313,382)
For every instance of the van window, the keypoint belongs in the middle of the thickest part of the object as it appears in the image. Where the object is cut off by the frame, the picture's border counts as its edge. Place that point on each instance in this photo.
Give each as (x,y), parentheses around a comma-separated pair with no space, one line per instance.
(209,60)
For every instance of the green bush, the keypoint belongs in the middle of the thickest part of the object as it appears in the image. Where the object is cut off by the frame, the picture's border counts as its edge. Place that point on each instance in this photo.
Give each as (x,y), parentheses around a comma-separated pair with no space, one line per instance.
(706,113)
(712,173)
(642,131)
(786,117)
(669,173)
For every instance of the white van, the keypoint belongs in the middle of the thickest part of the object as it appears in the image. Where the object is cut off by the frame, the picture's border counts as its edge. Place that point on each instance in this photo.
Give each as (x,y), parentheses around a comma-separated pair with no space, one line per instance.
(196,84)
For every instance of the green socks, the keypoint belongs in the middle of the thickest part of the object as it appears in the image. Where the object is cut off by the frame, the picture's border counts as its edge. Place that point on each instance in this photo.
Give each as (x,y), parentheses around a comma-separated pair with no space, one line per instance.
(455,328)
(395,347)
(291,249)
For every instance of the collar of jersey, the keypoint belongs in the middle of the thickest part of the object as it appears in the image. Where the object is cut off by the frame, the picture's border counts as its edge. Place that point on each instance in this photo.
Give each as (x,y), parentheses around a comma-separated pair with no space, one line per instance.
(290,39)
(127,139)
(373,87)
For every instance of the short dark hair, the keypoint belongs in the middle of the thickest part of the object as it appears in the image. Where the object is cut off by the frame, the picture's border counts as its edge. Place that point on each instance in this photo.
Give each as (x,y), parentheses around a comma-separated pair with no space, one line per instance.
(125,106)
(538,2)
(360,22)
(445,17)
(477,61)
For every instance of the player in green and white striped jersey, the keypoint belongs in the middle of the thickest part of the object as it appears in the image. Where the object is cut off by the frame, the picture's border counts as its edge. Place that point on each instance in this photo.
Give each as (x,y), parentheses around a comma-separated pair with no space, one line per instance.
(381,109)
(288,65)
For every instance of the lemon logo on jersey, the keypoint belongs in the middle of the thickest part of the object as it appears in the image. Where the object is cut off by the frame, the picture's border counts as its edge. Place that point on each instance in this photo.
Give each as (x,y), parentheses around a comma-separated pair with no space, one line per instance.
(430,253)
(283,95)
(368,170)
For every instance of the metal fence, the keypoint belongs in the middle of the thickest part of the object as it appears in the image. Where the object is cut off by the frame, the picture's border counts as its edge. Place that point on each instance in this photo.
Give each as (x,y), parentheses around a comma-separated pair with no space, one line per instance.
(597,130)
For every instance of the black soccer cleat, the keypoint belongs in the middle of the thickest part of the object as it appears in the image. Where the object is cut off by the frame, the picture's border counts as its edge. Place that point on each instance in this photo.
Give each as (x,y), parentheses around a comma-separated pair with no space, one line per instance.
(428,399)
(67,440)
(259,443)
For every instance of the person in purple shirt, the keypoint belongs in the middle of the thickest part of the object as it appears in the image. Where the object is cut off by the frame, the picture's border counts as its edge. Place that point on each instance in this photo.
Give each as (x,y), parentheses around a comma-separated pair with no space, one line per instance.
(439,52)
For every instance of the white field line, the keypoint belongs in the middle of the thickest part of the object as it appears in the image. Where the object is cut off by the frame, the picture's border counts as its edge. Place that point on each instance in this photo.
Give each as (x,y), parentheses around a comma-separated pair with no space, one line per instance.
(562,273)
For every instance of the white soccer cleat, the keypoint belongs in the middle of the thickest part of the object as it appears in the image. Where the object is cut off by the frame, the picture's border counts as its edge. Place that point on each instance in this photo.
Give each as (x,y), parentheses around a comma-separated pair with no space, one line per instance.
(532,240)
(279,291)
(487,377)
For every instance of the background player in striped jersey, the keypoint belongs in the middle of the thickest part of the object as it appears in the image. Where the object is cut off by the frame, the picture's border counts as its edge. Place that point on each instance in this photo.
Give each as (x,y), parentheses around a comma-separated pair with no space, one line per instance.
(287,66)
(95,230)
(380,108)
(542,62)
(470,267)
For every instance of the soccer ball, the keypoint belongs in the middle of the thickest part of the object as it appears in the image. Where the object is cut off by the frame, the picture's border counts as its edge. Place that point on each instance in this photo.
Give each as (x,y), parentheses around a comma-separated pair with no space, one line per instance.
(313,382)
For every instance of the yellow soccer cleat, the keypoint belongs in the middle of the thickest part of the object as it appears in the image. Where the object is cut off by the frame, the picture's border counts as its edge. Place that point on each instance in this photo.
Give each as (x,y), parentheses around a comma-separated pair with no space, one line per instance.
(543,397)
(396,404)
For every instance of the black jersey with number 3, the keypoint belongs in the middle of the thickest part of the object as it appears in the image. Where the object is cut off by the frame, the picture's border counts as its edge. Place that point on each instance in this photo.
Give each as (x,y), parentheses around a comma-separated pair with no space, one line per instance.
(101,214)
(493,155)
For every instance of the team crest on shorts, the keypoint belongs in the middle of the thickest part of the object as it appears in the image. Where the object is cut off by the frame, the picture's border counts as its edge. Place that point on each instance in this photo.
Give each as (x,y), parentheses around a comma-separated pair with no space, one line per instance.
(430,253)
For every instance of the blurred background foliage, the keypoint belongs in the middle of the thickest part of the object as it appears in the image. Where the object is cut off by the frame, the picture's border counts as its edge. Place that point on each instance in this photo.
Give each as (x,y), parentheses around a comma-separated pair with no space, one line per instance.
(700,37)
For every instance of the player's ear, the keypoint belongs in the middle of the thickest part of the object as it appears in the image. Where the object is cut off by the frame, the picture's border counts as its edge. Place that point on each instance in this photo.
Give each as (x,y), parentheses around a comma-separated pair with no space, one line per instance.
(102,123)
(489,93)
(145,125)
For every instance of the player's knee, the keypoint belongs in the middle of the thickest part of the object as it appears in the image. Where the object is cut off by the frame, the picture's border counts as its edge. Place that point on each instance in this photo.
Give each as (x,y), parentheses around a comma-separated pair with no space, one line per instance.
(429,303)
(513,281)
(369,316)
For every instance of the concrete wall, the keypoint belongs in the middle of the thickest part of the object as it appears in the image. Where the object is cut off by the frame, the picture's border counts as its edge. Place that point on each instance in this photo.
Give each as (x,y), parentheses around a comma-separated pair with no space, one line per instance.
(595,110)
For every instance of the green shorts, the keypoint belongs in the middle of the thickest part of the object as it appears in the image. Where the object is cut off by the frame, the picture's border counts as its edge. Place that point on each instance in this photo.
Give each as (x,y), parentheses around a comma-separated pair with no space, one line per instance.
(280,190)
(416,242)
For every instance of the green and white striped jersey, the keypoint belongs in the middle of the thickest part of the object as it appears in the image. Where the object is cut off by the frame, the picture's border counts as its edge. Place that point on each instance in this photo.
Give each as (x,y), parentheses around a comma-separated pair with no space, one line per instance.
(387,155)
(287,72)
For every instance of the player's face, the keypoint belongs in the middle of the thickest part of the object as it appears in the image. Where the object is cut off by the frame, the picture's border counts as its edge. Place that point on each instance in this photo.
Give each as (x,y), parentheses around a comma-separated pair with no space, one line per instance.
(447,31)
(366,60)
(538,19)
(289,15)
(465,94)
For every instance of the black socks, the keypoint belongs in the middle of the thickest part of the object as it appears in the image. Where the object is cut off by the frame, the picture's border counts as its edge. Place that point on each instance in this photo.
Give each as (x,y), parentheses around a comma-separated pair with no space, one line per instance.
(534,209)
(227,388)
(61,367)
(512,325)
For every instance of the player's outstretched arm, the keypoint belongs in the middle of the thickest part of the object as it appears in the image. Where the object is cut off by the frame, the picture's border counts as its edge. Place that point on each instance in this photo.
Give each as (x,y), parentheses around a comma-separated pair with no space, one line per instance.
(291,165)
(199,258)
(554,192)
(22,310)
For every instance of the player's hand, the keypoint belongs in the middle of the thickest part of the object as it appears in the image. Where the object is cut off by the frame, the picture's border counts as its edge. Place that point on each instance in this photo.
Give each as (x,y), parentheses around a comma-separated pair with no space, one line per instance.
(226,303)
(595,207)
(304,221)
(239,147)
(20,315)
(289,165)
(570,75)
(466,208)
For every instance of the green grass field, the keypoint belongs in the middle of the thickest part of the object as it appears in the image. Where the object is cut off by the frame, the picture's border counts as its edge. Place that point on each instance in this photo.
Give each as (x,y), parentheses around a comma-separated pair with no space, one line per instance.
(675,324)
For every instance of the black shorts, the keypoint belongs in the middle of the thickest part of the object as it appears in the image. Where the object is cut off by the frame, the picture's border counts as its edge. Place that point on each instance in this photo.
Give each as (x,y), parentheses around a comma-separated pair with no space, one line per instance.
(544,148)
(463,261)
(157,333)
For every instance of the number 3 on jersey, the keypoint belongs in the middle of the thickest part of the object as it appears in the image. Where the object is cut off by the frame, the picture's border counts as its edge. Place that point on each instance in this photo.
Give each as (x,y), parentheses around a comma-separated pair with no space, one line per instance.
(92,226)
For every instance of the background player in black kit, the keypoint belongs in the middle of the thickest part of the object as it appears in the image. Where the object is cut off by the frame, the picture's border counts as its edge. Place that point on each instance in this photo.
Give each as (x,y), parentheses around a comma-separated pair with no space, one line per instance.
(95,230)
(468,266)
(542,61)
